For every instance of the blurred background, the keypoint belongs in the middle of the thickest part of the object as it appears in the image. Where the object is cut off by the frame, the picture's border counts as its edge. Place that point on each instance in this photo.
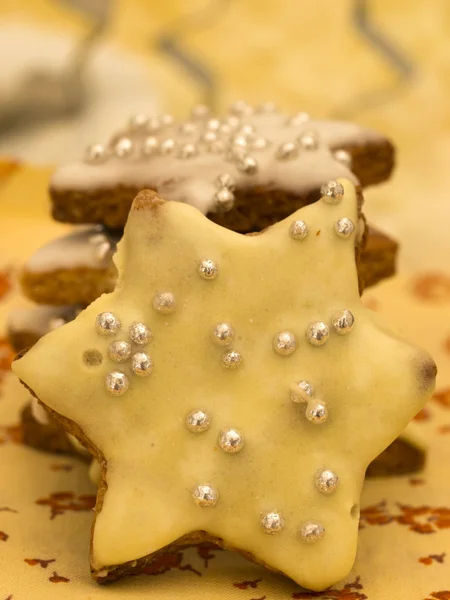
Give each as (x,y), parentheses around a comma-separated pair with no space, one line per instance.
(71,74)
(72,71)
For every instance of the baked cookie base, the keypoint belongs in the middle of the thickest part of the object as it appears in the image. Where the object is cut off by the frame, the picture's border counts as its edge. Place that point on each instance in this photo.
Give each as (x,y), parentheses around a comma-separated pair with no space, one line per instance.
(49,438)
(254,209)
(25,326)
(60,286)
(378,258)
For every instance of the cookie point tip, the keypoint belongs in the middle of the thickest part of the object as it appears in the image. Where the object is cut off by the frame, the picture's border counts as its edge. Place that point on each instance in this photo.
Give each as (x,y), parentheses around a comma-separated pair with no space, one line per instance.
(21,354)
(148,200)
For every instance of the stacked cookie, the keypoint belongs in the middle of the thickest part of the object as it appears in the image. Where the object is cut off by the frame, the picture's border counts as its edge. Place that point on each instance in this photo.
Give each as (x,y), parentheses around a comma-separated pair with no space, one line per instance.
(233,389)
(245,171)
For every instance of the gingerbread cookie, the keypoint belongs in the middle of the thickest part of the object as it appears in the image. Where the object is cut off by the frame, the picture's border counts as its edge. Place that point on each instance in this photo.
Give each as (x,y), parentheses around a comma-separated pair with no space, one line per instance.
(378,257)
(42,432)
(246,170)
(233,388)
(78,268)
(405,456)
(73,269)
(25,326)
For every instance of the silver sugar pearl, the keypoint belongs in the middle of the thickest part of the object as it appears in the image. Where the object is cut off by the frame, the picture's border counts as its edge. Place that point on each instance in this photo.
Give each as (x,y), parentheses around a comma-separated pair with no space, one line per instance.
(260,143)
(138,122)
(298,230)
(123,148)
(188,128)
(247,165)
(240,141)
(106,323)
(326,481)
(164,302)
(150,146)
(226,180)
(317,333)
(344,157)
(102,250)
(302,392)
(116,383)
(213,124)
(95,154)
(208,269)
(233,121)
(142,364)
(209,137)
(287,151)
(56,323)
(200,111)
(167,146)
(223,334)
(231,441)
(284,343)
(119,351)
(139,333)
(240,108)
(332,192)
(272,522)
(309,140)
(247,130)
(311,532)
(343,322)
(231,359)
(267,107)
(167,120)
(317,413)
(198,421)
(224,199)
(205,496)
(344,227)
(225,129)
(298,119)
(187,151)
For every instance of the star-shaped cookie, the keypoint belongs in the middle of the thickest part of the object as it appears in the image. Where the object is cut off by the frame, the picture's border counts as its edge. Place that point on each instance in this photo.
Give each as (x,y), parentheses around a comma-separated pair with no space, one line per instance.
(233,387)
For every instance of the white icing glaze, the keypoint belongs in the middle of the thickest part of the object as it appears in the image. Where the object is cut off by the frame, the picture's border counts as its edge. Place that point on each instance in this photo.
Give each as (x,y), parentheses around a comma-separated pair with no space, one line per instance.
(195,177)
(76,444)
(94,471)
(37,320)
(371,380)
(80,248)
(39,413)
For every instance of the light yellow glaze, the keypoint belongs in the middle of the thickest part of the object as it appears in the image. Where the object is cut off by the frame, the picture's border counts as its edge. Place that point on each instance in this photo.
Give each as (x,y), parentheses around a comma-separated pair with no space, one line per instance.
(371,380)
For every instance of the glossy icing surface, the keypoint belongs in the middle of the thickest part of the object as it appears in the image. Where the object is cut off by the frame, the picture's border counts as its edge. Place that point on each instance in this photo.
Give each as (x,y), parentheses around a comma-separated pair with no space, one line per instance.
(90,247)
(193,180)
(371,381)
